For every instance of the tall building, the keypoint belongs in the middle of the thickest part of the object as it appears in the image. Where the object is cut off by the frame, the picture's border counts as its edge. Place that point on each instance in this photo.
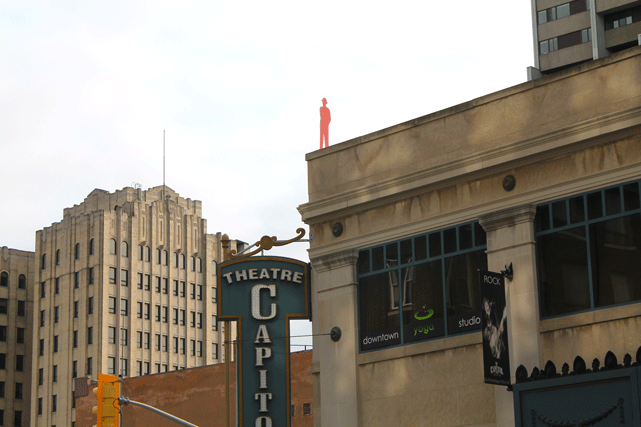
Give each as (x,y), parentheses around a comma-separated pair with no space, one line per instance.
(16,325)
(568,33)
(125,285)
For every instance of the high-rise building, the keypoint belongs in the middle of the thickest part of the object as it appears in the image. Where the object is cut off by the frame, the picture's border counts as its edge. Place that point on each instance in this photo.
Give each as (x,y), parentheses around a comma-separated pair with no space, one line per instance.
(568,33)
(124,285)
(16,307)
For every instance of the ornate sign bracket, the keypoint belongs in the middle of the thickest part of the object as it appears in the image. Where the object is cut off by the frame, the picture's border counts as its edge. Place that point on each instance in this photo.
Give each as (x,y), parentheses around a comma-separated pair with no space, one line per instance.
(266,243)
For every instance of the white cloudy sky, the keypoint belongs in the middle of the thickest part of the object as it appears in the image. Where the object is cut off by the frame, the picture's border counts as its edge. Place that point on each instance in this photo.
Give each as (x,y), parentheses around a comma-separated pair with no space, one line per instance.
(87,87)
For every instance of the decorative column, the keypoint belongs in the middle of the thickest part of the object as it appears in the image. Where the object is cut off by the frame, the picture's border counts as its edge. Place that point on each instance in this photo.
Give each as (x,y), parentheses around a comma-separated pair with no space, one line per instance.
(510,239)
(334,297)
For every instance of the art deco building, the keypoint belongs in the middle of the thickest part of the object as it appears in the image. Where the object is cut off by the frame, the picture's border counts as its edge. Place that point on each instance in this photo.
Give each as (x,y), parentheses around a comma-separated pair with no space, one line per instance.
(125,285)
(571,32)
(16,307)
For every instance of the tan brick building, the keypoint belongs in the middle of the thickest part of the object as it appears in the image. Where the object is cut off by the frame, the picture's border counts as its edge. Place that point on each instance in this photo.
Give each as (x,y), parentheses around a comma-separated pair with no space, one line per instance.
(16,308)
(125,284)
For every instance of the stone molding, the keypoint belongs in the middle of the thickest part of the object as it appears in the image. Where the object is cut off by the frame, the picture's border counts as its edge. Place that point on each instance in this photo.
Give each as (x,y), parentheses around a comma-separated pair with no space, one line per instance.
(595,131)
(335,260)
(508,217)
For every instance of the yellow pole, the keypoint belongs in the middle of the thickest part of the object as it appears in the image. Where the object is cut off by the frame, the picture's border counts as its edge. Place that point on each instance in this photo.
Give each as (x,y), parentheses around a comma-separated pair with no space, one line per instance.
(225,244)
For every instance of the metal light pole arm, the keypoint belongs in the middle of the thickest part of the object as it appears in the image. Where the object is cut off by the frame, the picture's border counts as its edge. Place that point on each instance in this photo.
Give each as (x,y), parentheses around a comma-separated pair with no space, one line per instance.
(125,401)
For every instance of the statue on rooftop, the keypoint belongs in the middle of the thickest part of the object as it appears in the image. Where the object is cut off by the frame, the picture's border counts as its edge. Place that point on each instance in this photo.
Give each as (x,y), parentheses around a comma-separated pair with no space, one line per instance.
(325,118)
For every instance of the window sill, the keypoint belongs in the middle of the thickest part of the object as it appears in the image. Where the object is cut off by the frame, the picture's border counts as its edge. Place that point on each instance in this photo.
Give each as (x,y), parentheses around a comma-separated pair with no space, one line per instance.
(412,349)
(587,318)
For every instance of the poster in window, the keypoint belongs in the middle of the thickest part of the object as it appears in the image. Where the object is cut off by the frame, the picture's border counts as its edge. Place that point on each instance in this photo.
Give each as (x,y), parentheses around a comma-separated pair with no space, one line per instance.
(496,359)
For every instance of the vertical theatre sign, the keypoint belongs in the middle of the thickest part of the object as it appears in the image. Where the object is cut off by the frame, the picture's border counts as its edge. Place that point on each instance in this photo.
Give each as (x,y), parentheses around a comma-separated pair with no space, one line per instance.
(262,294)
(496,359)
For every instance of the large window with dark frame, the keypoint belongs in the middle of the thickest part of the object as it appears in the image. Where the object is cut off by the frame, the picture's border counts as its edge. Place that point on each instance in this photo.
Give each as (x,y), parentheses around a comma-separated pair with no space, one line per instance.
(589,250)
(422,287)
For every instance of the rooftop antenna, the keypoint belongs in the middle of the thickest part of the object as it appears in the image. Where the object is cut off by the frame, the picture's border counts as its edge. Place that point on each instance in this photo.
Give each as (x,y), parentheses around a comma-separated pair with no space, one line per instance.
(163,165)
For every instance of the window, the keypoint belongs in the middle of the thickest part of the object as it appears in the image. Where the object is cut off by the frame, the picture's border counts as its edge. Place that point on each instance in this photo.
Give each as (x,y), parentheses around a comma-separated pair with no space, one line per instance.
(139,309)
(90,275)
(112,305)
(90,335)
(157,284)
(90,305)
(18,391)
(42,318)
(77,251)
(165,285)
(55,343)
(3,361)
(165,314)
(307,409)
(192,323)
(41,348)
(147,368)
(75,339)
(175,288)
(75,309)
(91,247)
(431,276)
(22,308)
(199,292)
(112,275)
(182,261)
(182,346)
(565,40)
(175,310)
(182,317)
(147,254)
(74,369)
(20,335)
(146,341)
(57,286)
(147,310)
(43,262)
(112,334)
(57,256)
(89,366)
(182,289)
(124,337)
(199,265)
(193,290)
(157,342)
(165,368)
(164,257)
(56,314)
(165,343)
(22,282)
(41,378)
(587,250)
(292,410)
(563,11)
(139,339)
(124,249)
(623,18)
(124,367)
(199,349)
(193,264)
(193,348)
(54,403)
(111,365)
(140,280)
(214,295)
(157,313)
(157,256)
(175,344)
(175,260)
(4,279)
(214,322)
(3,333)
(124,307)
(112,247)
(124,277)
(19,362)
(140,253)
(76,280)
(147,282)
(17,418)
(43,290)
(157,368)
(214,350)
(139,367)
(4,303)
(40,406)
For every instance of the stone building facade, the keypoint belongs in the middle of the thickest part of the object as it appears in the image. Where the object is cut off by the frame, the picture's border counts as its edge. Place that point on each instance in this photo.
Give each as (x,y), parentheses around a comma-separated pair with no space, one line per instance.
(545,176)
(125,285)
(16,320)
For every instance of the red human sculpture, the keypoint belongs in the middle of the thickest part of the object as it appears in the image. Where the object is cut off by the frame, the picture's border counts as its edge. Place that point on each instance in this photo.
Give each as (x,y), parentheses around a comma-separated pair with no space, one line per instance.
(325,118)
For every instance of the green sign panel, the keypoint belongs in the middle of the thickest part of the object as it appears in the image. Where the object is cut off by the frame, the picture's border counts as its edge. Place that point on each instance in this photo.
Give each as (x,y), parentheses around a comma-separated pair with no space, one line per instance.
(262,294)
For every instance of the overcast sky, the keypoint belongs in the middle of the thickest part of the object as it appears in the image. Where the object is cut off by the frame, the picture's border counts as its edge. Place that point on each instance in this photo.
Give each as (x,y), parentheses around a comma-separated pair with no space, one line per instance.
(87,88)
